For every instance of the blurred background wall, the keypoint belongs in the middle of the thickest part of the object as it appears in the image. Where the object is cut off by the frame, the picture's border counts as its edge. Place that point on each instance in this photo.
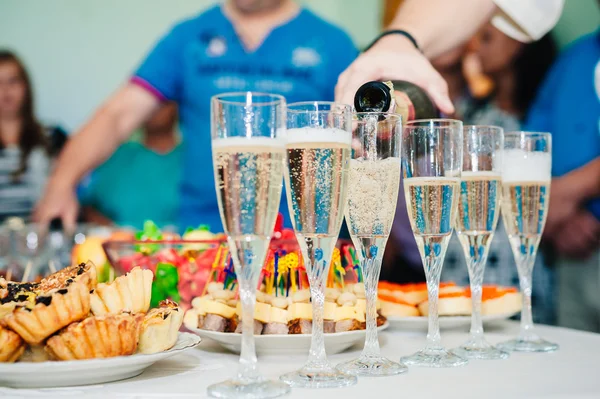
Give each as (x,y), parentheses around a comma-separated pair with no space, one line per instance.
(79,51)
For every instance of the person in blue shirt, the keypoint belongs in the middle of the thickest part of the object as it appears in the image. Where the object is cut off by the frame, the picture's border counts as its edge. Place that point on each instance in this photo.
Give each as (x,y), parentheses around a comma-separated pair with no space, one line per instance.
(568,106)
(122,192)
(260,45)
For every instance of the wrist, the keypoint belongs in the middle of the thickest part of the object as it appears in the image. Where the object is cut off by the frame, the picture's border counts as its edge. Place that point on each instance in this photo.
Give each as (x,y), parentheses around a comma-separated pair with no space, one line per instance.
(395,43)
(61,183)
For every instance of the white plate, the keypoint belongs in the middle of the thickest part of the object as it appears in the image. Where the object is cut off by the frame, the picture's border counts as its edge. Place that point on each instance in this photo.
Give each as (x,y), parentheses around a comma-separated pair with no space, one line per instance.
(446,322)
(86,372)
(287,344)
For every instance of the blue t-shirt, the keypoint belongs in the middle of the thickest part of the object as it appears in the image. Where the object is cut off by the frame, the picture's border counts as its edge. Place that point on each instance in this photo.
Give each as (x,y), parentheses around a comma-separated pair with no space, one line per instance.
(136,184)
(203,56)
(568,106)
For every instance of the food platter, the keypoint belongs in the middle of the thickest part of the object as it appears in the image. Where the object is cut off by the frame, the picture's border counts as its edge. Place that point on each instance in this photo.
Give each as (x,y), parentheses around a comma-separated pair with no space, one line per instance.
(86,372)
(446,322)
(287,344)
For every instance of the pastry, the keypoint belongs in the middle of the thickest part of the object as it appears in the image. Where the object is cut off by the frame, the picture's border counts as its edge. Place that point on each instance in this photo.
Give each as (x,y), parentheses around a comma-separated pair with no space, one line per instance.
(500,300)
(394,307)
(13,295)
(44,314)
(11,346)
(128,293)
(97,337)
(160,328)
(34,354)
(84,272)
(450,304)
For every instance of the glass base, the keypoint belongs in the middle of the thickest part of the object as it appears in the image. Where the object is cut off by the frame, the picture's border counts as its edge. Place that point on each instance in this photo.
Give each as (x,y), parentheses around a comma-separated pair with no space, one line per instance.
(318,377)
(372,366)
(534,344)
(438,357)
(253,390)
(479,348)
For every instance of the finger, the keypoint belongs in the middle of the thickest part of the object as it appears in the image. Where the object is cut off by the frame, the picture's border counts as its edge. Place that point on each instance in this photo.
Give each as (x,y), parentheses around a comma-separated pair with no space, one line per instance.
(362,71)
(341,84)
(69,219)
(40,215)
(437,88)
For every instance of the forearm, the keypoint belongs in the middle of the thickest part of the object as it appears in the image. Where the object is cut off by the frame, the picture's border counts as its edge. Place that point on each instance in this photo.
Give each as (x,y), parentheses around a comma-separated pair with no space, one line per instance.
(87,149)
(458,20)
(100,137)
(587,179)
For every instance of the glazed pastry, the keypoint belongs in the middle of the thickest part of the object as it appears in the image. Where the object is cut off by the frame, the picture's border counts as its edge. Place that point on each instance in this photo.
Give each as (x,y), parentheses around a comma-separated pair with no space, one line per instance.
(11,346)
(84,272)
(45,314)
(128,293)
(97,337)
(160,328)
(13,295)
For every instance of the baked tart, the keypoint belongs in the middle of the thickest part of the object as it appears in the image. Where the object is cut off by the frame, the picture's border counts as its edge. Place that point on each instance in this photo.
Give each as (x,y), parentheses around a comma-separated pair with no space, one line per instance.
(44,314)
(128,293)
(18,295)
(160,328)
(97,337)
(11,346)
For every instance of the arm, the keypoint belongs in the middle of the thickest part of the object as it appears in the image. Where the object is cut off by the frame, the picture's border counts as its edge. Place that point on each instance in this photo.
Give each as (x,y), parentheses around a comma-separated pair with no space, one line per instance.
(583,182)
(439,26)
(459,20)
(112,124)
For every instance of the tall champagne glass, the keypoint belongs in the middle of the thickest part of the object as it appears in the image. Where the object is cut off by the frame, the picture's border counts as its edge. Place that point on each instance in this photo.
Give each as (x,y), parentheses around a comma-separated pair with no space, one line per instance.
(372,196)
(318,152)
(248,151)
(432,160)
(526,176)
(478,211)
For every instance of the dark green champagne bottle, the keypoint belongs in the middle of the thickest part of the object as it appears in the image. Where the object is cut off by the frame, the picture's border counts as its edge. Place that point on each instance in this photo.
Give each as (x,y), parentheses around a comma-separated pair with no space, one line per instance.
(399,97)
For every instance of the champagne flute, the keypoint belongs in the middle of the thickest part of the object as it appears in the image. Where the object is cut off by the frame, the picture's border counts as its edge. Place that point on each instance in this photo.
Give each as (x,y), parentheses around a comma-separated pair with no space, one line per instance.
(526,177)
(478,211)
(432,159)
(318,151)
(248,152)
(372,196)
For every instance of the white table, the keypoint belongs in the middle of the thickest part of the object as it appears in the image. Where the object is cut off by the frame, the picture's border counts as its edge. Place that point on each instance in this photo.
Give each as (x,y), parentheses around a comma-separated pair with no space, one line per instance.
(572,372)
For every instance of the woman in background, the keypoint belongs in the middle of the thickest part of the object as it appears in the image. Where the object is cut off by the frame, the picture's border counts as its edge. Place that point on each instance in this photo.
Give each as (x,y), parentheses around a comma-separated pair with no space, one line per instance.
(24,151)
(514,73)
(140,180)
(492,81)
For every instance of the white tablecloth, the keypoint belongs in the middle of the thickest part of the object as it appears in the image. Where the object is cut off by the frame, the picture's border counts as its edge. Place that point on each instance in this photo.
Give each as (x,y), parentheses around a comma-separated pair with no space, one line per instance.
(572,372)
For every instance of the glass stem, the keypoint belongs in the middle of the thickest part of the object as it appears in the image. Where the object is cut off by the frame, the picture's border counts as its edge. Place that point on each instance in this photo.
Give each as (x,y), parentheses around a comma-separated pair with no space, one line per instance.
(319,256)
(248,256)
(433,271)
(248,370)
(317,356)
(525,274)
(476,270)
(371,269)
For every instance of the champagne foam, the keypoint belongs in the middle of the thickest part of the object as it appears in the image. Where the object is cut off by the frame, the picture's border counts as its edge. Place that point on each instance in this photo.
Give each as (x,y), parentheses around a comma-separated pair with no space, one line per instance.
(241,142)
(520,165)
(316,135)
